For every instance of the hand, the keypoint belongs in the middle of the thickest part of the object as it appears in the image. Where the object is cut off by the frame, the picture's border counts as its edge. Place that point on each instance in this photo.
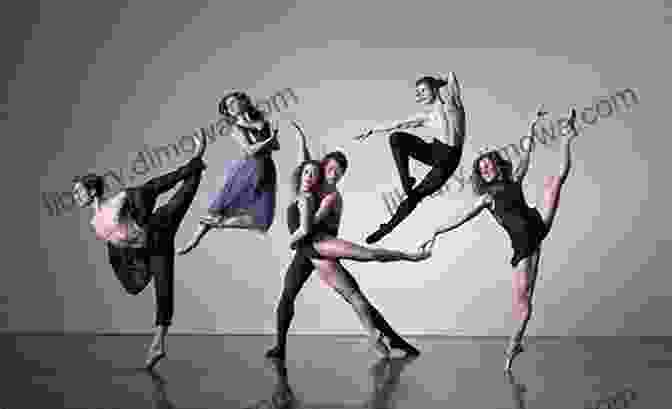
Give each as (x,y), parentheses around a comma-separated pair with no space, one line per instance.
(428,245)
(364,135)
(527,144)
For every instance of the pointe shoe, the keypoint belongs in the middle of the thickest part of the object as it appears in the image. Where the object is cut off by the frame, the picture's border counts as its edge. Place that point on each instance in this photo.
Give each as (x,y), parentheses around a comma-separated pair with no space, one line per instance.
(408,349)
(511,354)
(153,358)
(202,143)
(571,121)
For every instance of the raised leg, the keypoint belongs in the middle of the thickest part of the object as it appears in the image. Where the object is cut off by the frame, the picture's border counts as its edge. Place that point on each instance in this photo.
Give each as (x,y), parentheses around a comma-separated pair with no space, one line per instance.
(404,146)
(334,248)
(553,184)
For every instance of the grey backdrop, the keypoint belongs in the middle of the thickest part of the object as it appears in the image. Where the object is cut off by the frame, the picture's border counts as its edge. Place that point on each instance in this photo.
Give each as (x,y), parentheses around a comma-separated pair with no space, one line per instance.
(89,84)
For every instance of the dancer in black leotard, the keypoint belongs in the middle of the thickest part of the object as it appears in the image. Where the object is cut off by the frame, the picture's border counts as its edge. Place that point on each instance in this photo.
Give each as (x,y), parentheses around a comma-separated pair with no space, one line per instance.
(500,191)
(445,114)
(319,248)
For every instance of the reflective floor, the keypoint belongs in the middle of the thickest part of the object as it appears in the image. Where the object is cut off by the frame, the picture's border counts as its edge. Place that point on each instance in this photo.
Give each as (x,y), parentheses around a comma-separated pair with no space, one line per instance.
(87,371)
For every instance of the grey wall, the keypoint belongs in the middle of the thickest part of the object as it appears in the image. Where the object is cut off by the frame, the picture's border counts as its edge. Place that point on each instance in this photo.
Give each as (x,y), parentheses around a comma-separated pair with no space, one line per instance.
(90,85)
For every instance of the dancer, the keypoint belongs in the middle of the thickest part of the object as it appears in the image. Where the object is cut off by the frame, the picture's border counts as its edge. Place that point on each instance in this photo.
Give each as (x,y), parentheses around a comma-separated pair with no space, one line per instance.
(247,199)
(444,112)
(140,240)
(500,191)
(320,248)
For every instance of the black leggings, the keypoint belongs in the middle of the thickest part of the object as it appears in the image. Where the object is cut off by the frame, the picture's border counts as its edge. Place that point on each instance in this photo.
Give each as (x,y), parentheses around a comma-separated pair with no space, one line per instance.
(444,160)
(295,278)
(157,260)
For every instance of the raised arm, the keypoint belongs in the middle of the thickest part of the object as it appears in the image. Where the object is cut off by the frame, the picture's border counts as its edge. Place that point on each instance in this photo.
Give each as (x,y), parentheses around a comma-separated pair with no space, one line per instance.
(451,111)
(306,206)
(304,153)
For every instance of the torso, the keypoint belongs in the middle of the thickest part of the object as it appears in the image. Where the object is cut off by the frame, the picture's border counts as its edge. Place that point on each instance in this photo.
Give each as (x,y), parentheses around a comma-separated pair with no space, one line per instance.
(111,224)
(256,132)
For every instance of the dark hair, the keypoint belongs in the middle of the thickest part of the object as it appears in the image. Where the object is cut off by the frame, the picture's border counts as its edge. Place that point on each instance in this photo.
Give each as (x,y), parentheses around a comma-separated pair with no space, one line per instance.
(339,157)
(254,113)
(504,171)
(432,82)
(296,175)
(91,181)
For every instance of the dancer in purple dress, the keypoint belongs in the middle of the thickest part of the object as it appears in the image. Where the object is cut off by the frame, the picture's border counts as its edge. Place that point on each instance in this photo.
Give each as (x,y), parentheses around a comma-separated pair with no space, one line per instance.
(247,199)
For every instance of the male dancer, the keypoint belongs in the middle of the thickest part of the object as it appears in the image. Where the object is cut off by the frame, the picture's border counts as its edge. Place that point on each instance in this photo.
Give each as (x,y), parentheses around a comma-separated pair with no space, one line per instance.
(444,113)
(335,164)
(140,240)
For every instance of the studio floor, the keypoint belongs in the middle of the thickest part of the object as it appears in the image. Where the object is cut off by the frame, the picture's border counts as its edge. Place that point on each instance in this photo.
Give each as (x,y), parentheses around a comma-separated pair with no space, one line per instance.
(218,371)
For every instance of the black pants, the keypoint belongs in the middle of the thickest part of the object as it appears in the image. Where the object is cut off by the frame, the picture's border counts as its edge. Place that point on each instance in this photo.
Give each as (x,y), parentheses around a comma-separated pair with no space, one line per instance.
(295,278)
(443,159)
(157,260)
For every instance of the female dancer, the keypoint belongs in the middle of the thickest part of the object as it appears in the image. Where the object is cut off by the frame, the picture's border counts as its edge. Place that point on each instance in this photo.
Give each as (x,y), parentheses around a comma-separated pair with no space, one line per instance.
(444,113)
(247,199)
(140,240)
(500,191)
(314,235)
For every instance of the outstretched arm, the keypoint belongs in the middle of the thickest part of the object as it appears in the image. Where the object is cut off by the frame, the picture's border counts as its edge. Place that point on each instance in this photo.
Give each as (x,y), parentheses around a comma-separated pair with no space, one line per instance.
(414,121)
(481,204)
(306,209)
(304,153)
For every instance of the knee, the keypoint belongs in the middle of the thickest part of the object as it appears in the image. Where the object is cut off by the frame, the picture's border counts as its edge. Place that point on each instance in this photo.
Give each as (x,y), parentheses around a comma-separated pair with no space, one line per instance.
(396,138)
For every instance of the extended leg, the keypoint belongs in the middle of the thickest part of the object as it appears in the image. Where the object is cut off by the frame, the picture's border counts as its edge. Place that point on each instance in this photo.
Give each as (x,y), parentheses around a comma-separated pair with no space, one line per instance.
(171,214)
(163,268)
(553,184)
(334,248)
(295,278)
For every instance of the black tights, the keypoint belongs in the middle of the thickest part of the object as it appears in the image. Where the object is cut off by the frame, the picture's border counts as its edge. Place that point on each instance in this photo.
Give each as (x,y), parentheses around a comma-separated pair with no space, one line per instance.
(443,159)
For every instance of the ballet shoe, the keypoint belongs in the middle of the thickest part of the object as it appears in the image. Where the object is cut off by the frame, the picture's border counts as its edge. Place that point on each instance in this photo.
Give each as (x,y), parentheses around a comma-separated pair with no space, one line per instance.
(378,234)
(154,359)
(276,353)
(408,349)
(511,354)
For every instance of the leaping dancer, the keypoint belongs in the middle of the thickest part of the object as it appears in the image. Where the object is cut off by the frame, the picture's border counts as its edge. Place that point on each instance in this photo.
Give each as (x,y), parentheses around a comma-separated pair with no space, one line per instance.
(444,113)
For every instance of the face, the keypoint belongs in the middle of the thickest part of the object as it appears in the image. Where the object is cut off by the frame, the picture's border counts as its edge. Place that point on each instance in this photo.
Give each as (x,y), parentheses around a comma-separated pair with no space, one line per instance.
(424,94)
(82,196)
(333,172)
(309,178)
(488,169)
(235,105)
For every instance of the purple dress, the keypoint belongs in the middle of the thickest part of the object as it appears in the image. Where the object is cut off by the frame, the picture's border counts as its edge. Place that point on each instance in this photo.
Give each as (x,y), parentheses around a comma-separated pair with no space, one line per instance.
(251,183)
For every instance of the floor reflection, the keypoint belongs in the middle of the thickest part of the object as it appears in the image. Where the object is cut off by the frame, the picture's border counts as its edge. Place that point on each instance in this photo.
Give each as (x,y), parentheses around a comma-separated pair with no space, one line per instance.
(385,377)
(159,394)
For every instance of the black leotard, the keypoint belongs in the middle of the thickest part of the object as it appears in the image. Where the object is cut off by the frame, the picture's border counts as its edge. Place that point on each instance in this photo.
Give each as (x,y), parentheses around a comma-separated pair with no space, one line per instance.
(524,224)
(305,245)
